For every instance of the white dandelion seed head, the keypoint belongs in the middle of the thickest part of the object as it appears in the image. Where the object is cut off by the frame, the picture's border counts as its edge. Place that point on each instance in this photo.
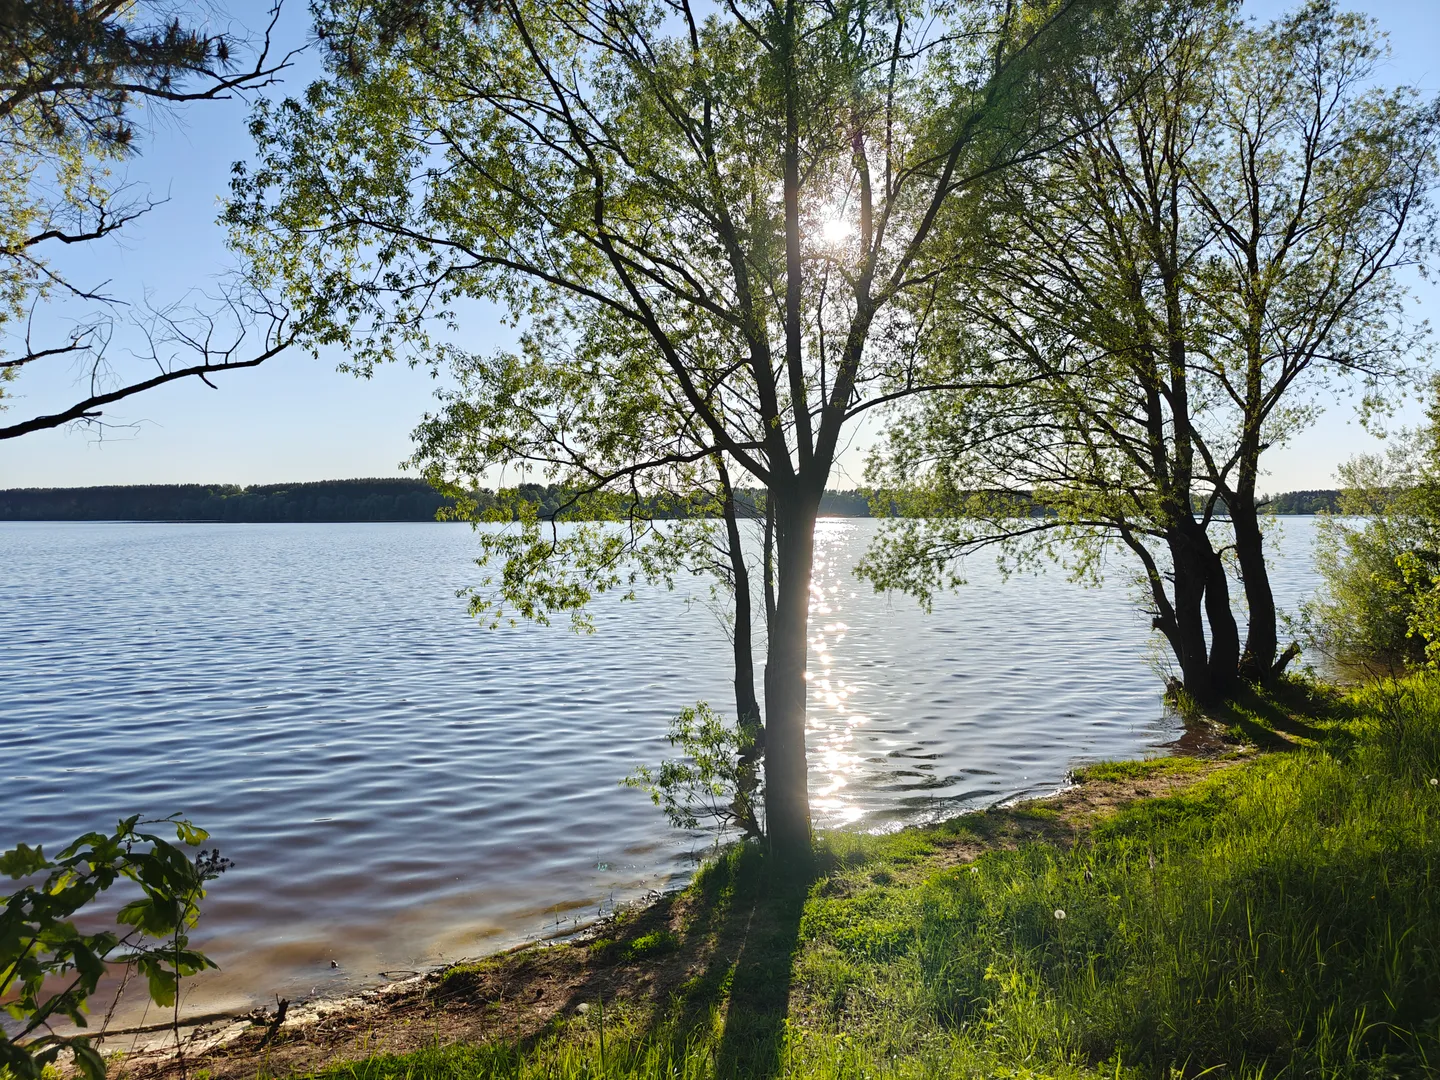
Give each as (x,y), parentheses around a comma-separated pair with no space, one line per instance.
(1060,914)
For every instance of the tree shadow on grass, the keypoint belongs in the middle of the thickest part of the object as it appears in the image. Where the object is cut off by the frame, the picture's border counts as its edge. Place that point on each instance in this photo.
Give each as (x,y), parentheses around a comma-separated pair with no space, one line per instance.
(1287,715)
(742,931)
(708,970)
(759,999)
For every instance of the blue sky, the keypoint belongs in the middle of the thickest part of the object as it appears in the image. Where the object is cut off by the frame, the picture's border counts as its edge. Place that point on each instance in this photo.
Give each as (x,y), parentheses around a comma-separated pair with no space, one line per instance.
(297,418)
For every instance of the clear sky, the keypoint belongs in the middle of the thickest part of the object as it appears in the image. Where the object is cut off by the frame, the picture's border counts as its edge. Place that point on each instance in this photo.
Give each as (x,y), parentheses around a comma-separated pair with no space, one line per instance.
(297,418)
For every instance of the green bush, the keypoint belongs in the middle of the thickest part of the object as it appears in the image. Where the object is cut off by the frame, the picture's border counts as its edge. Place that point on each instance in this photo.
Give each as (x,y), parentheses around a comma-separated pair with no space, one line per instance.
(1379,558)
(716,781)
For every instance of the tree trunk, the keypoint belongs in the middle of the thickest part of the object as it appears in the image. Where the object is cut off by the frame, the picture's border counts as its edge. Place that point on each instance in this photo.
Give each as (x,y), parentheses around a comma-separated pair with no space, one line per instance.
(747,707)
(1202,595)
(768,562)
(1188,639)
(1262,639)
(787,795)
(1224,634)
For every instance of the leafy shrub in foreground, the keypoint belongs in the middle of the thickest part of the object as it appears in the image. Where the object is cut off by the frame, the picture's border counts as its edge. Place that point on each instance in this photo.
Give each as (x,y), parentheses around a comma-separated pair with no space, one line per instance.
(49,967)
(716,780)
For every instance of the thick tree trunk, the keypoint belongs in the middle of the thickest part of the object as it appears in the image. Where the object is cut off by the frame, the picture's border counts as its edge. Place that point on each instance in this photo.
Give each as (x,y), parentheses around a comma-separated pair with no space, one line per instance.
(1202,595)
(1188,639)
(1224,633)
(787,795)
(1258,662)
(1262,639)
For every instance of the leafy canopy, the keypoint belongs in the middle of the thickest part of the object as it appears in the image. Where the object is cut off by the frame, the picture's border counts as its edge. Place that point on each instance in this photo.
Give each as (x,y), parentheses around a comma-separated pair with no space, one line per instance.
(706,227)
(1183,286)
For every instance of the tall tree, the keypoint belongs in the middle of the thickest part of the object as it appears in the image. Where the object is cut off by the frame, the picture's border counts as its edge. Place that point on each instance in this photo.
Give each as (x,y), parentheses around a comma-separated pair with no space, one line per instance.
(73,74)
(1088,315)
(705,224)
(1316,187)
(1178,286)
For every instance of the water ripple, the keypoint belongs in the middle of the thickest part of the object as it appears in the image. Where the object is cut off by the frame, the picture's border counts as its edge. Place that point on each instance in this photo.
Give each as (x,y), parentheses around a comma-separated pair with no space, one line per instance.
(398,786)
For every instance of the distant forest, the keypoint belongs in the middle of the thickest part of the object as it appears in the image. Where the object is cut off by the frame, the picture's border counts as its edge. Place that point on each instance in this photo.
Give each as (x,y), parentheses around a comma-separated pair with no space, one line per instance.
(1302,502)
(325,500)
(367,500)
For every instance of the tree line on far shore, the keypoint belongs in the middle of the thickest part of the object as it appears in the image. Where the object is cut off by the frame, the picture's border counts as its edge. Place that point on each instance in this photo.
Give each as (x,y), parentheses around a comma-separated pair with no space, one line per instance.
(374,499)
(387,499)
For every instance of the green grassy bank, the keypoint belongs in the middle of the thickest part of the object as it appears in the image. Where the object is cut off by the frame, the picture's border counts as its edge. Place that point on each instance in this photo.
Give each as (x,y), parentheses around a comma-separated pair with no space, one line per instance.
(1276,915)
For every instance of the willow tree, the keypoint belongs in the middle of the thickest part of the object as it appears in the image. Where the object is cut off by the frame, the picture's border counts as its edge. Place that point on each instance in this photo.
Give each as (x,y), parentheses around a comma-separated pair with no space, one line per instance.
(1183,280)
(704,225)
(1087,312)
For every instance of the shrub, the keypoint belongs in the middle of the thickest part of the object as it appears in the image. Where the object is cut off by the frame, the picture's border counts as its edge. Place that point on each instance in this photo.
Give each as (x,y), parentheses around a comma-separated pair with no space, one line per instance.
(1379,558)
(42,949)
(716,780)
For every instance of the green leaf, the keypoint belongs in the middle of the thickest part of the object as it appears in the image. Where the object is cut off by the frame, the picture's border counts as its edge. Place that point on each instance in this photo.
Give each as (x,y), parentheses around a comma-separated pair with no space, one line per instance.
(87,1060)
(190,834)
(22,861)
(156,919)
(161,980)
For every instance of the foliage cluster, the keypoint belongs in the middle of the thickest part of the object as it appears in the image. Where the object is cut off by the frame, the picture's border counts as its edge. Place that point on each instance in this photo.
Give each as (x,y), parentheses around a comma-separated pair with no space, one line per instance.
(715,778)
(50,966)
(1379,557)
(1184,281)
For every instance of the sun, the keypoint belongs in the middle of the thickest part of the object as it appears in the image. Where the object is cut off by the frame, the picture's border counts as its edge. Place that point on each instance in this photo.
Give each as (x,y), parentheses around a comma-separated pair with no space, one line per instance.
(835,231)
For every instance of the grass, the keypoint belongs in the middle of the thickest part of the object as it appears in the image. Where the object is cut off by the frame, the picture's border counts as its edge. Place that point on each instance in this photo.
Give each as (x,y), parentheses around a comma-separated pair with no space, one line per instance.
(1278,916)
(1111,771)
(652,944)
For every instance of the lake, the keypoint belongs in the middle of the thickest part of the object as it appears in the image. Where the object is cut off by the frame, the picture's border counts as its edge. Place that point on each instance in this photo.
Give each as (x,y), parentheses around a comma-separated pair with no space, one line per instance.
(399,786)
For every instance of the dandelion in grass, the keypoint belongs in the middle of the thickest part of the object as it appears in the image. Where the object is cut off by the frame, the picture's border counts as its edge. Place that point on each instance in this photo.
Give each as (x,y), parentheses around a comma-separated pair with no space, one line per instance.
(1434,781)
(1059,914)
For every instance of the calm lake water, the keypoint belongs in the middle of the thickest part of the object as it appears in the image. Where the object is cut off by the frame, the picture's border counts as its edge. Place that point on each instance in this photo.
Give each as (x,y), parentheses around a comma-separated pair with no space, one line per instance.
(399,787)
